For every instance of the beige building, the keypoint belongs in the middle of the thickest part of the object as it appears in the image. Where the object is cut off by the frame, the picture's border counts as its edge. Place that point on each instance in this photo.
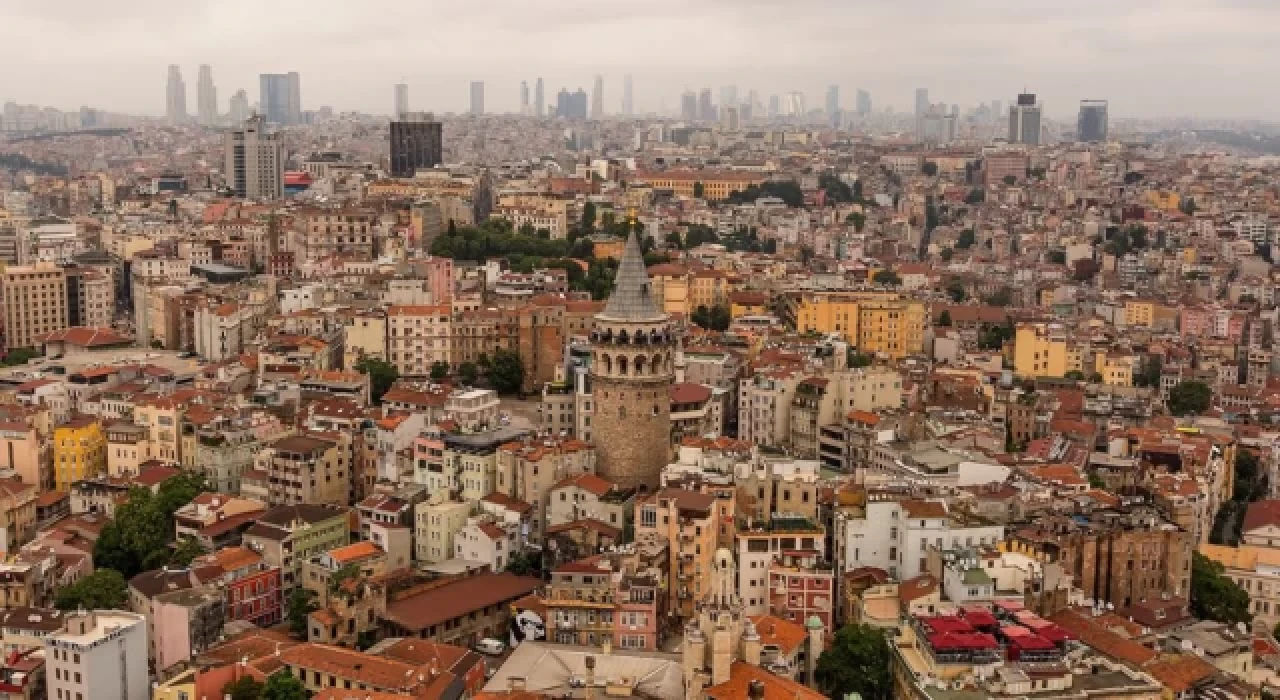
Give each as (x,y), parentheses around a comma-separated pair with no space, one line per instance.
(435,525)
(588,497)
(417,337)
(254,161)
(528,471)
(311,470)
(685,521)
(35,303)
(1256,570)
(364,334)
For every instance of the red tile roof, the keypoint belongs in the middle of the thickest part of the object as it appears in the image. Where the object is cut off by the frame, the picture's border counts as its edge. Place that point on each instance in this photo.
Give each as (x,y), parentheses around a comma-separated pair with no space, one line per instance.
(456,598)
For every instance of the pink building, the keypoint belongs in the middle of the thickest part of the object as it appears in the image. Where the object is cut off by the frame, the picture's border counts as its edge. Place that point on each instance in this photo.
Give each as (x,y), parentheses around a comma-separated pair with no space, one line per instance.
(439,273)
(1194,322)
(799,590)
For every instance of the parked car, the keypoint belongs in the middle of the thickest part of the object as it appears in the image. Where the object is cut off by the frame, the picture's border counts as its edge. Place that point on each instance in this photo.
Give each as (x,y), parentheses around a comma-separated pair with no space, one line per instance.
(490,646)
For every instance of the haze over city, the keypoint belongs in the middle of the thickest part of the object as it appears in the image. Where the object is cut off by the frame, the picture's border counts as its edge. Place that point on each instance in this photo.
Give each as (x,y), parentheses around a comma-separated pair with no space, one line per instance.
(1169,58)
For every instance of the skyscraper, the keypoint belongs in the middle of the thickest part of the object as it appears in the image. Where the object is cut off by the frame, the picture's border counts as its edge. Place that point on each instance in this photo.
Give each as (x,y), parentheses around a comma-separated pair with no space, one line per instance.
(402,100)
(833,105)
(628,103)
(280,99)
(206,97)
(1024,120)
(728,95)
(571,105)
(795,104)
(1092,125)
(864,103)
(689,106)
(922,101)
(524,96)
(417,141)
(706,110)
(239,107)
(477,97)
(774,106)
(254,160)
(597,98)
(175,97)
(539,101)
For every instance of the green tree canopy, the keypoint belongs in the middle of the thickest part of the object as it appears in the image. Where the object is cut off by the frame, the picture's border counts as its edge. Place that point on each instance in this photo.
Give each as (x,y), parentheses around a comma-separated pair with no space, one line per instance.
(887,278)
(138,538)
(247,688)
(966,239)
(1001,297)
(300,604)
(720,318)
(929,168)
(284,686)
(944,319)
(1189,397)
(439,370)
(975,196)
(956,291)
(701,317)
(104,589)
(699,190)
(857,662)
(382,375)
(507,372)
(468,372)
(1214,596)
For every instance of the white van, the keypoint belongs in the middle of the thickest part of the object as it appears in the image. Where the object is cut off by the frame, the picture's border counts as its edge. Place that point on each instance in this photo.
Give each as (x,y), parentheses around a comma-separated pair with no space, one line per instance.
(490,646)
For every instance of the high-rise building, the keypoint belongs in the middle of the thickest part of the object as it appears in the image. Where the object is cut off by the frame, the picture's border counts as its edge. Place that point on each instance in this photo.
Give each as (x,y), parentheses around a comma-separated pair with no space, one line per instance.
(524,96)
(922,101)
(417,141)
(689,106)
(706,110)
(477,97)
(864,103)
(597,98)
(571,105)
(628,99)
(730,118)
(175,97)
(630,380)
(206,97)
(833,105)
(539,99)
(937,126)
(98,654)
(35,302)
(728,95)
(795,104)
(996,110)
(254,160)
(1024,120)
(1092,125)
(280,98)
(239,107)
(402,100)
(775,106)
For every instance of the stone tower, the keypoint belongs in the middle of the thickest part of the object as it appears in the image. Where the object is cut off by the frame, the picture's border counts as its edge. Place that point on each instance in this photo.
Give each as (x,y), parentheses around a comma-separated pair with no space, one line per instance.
(632,361)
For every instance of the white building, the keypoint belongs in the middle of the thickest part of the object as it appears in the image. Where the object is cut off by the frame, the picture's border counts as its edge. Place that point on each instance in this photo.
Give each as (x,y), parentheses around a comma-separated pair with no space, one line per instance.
(895,535)
(100,655)
(484,541)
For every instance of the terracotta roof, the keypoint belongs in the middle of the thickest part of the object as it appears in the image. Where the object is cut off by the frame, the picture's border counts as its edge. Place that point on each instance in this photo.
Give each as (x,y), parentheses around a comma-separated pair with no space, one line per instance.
(457,598)
(1102,639)
(1261,514)
(85,337)
(375,671)
(508,502)
(741,675)
(586,524)
(354,552)
(1180,672)
(787,635)
(587,482)
(917,587)
(688,392)
(924,509)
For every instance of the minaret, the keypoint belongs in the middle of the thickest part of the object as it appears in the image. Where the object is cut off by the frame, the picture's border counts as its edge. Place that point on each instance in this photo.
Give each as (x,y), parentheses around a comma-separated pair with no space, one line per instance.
(632,360)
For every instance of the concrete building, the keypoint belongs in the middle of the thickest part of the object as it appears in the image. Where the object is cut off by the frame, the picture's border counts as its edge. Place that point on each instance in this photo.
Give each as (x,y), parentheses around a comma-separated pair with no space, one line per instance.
(35,303)
(206,98)
(254,161)
(402,101)
(1024,120)
(100,655)
(175,97)
(1092,126)
(477,97)
(416,142)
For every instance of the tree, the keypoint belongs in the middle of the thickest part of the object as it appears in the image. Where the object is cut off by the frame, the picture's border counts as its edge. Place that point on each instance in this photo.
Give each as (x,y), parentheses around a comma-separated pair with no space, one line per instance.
(301,603)
(975,196)
(104,589)
(1096,482)
(1057,257)
(284,686)
(929,168)
(526,563)
(1188,206)
(886,278)
(186,550)
(1010,179)
(507,373)
(19,356)
(588,225)
(944,319)
(1250,481)
(858,219)
(857,662)
(1149,375)
(382,375)
(947,254)
(673,240)
(966,239)
(855,359)
(468,372)
(701,317)
(1074,375)
(439,370)
(247,688)
(699,190)
(956,291)
(1214,596)
(720,318)
(1001,297)
(1189,397)
(527,229)
(138,538)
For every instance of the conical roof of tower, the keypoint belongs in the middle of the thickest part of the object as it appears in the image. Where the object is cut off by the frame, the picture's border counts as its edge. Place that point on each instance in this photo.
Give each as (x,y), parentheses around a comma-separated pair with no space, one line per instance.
(632,298)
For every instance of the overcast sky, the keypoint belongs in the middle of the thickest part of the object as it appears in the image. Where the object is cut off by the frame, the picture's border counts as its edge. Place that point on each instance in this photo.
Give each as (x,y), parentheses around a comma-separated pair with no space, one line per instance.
(1150,58)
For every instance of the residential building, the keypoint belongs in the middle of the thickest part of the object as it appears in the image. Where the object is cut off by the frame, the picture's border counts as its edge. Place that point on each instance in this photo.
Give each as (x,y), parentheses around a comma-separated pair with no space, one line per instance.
(287,536)
(416,142)
(98,654)
(35,303)
(254,161)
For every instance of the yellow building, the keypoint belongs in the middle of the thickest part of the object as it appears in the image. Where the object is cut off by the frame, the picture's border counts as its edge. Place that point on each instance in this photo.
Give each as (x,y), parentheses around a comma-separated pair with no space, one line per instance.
(716,184)
(161,416)
(708,288)
(748,304)
(1040,350)
(1116,369)
(874,322)
(364,335)
(1168,201)
(670,283)
(79,451)
(1140,312)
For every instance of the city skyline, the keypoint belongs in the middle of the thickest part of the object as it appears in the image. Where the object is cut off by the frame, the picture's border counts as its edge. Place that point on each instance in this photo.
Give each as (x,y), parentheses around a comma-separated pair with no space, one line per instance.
(963,54)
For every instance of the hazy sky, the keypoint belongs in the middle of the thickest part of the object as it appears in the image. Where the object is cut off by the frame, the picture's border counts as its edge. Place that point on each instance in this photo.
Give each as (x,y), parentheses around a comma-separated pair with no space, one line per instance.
(1148,57)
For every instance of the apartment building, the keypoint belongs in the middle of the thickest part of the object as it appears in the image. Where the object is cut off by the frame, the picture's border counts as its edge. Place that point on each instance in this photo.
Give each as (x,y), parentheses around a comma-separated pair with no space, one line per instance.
(307,469)
(418,337)
(287,536)
(99,655)
(685,521)
(895,534)
(873,322)
(328,232)
(35,303)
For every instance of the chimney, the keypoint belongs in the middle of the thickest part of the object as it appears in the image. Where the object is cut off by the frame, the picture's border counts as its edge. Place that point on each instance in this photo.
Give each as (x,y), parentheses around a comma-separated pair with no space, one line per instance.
(755,690)
(591,675)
